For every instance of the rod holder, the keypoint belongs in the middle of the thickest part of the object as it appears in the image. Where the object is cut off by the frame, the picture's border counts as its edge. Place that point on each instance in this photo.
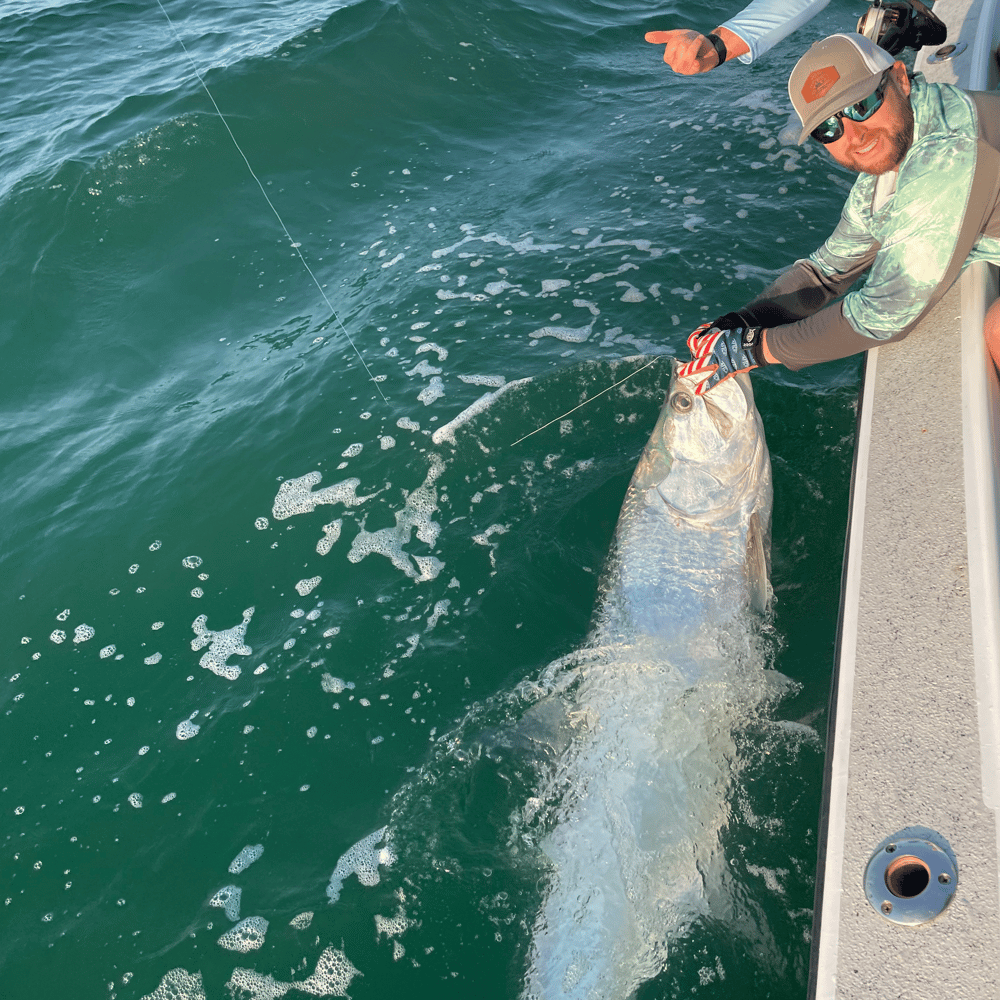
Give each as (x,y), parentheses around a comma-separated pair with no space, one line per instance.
(910,881)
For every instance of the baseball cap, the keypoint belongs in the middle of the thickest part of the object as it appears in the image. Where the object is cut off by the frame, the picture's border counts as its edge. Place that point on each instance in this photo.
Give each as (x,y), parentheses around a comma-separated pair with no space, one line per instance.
(834,73)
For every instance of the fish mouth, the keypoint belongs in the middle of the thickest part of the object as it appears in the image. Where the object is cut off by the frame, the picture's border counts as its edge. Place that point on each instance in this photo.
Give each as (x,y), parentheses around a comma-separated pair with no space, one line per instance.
(727,403)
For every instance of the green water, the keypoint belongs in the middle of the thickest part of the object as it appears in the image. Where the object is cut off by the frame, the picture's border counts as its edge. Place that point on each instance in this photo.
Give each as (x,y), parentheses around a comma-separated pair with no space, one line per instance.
(517,191)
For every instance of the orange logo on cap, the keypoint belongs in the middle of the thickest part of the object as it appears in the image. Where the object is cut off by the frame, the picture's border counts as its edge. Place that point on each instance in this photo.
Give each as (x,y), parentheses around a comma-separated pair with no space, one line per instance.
(818,83)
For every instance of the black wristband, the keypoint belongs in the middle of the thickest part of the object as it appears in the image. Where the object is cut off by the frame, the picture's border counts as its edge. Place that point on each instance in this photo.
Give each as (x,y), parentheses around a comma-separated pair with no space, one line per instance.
(753,340)
(719,45)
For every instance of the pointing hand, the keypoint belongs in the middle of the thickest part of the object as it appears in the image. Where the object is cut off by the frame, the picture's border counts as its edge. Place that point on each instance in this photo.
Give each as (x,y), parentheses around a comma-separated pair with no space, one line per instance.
(686,52)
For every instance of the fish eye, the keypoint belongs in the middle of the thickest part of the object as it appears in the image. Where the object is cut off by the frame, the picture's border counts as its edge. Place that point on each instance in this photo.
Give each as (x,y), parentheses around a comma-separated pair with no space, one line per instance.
(681,402)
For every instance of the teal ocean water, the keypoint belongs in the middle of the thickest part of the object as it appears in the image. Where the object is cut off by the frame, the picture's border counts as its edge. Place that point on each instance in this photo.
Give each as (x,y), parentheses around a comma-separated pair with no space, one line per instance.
(268,581)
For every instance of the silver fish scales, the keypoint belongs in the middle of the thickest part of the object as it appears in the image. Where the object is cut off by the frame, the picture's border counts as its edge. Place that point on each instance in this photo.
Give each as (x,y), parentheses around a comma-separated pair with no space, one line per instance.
(638,798)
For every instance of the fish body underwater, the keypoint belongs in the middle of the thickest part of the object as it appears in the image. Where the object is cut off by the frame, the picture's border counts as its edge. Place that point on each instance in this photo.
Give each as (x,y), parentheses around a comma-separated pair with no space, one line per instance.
(672,668)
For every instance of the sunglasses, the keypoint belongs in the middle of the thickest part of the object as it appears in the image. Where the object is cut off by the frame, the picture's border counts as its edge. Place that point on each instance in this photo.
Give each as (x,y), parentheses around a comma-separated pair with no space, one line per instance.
(833,128)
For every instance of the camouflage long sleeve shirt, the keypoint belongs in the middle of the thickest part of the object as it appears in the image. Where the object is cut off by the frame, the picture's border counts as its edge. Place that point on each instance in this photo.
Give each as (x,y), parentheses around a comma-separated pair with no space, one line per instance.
(907,242)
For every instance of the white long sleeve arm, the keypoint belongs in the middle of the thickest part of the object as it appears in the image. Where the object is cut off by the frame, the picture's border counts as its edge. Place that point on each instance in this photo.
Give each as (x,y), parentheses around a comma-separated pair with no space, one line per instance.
(764,23)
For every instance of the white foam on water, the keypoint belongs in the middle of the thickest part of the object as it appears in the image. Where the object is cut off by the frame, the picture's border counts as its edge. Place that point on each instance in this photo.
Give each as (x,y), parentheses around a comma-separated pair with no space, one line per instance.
(261,523)
(296,496)
(424,369)
(522,245)
(187,730)
(758,100)
(334,685)
(601,275)
(496,287)
(763,274)
(228,898)
(496,381)
(632,294)
(386,441)
(331,978)
(82,633)
(224,644)
(302,921)
(191,562)
(447,431)
(432,392)
(135,800)
(771,877)
(305,587)
(155,658)
(406,424)
(444,295)
(394,926)
(178,984)
(568,334)
(58,636)
(247,935)
(363,860)
(247,983)
(645,246)
(246,858)
(441,352)
(415,515)
(440,609)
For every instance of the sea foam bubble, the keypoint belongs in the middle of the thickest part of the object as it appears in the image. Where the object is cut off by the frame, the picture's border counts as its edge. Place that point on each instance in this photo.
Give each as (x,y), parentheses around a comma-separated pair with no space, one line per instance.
(247,935)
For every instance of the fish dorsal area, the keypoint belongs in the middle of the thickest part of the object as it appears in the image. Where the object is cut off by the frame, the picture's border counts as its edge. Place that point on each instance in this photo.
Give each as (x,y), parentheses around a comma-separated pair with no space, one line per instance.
(711,440)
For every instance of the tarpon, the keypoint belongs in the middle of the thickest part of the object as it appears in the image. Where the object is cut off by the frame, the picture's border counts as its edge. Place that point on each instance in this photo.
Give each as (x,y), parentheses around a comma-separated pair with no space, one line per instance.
(638,798)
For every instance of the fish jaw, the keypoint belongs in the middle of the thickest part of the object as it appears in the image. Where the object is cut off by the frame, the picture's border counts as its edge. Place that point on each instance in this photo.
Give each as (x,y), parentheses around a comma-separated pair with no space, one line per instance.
(707,455)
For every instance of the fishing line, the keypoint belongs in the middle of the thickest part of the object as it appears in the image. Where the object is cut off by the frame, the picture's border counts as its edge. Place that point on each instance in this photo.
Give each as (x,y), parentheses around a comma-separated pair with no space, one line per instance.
(590,400)
(281,222)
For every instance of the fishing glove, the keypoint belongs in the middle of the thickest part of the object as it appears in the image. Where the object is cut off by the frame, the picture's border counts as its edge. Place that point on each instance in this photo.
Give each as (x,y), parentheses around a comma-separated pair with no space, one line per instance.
(723,348)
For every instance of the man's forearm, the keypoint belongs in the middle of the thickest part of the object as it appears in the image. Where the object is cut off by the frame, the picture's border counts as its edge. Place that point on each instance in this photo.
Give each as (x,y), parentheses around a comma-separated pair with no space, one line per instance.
(824,336)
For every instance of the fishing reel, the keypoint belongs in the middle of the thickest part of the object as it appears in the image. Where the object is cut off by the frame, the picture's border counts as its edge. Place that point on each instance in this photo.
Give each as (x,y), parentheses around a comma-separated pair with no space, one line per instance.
(901,24)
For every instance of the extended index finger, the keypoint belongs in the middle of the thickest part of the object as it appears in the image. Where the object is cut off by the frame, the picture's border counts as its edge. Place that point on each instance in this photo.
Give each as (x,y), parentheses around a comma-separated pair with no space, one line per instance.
(659,37)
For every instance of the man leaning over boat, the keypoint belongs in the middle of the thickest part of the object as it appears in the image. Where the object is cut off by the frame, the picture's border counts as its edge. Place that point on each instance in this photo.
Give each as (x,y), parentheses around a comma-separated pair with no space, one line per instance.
(926,204)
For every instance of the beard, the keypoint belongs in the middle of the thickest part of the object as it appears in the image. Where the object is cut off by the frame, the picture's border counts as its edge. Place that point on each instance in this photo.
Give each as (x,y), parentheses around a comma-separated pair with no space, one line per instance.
(897,143)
